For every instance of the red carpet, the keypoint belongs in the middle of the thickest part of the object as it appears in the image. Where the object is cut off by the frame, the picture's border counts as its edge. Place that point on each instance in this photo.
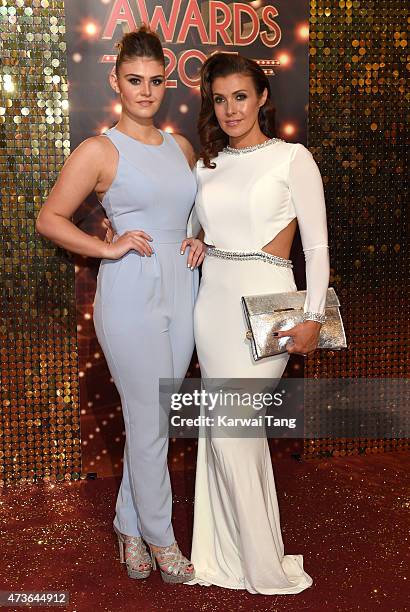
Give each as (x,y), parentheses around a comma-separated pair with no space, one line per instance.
(347,516)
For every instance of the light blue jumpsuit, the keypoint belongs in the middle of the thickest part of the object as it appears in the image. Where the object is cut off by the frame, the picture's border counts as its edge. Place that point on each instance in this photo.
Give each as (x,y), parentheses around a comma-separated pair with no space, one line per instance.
(143,317)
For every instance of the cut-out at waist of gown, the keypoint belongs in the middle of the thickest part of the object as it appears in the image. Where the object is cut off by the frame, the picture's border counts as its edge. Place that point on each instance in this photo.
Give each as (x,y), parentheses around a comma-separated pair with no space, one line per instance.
(247,255)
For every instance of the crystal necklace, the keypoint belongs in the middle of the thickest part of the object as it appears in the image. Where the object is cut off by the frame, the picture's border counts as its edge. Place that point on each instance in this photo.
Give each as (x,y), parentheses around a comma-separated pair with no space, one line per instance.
(235,151)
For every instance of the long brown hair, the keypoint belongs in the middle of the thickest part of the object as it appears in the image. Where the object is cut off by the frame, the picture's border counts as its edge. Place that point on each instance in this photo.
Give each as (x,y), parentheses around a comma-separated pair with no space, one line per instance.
(143,42)
(213,138)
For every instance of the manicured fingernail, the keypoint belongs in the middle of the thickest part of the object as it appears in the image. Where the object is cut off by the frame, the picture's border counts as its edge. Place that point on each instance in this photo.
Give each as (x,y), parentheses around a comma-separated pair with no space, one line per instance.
(275,334)
(182,252)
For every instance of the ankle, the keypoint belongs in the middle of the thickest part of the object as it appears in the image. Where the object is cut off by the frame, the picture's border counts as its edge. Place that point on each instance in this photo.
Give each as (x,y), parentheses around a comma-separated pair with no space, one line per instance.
(158,549)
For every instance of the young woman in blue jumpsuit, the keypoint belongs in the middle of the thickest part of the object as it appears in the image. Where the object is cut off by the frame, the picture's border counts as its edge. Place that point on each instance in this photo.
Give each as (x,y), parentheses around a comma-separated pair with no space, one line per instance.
(146,286)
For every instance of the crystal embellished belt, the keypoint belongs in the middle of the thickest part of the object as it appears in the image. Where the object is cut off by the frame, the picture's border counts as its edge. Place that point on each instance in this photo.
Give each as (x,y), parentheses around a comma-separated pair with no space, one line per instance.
(244,255)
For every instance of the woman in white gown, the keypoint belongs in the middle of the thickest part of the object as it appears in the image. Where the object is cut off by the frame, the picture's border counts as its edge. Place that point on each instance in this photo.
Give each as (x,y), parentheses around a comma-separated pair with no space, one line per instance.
(252,190)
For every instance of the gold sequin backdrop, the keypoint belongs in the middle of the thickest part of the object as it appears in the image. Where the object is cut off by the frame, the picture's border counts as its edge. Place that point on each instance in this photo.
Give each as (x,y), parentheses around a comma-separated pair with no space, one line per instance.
(358,101)
(40,420)
(358,63)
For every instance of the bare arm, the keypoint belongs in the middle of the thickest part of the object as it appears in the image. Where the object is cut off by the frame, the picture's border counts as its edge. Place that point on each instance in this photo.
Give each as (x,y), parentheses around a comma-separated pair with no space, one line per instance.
(78,178)
(82,174)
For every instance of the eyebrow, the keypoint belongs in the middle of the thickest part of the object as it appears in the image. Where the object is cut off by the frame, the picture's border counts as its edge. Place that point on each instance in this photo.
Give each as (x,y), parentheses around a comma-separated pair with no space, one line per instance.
(139,76)
(235,92)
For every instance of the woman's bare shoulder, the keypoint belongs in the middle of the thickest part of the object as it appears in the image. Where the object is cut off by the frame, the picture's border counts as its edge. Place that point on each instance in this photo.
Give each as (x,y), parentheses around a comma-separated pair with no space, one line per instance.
(187,148)
(95,153)
(95,145)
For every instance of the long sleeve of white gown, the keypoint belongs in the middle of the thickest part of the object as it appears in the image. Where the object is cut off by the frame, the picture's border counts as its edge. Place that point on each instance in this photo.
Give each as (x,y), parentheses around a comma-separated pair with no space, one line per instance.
(306,186)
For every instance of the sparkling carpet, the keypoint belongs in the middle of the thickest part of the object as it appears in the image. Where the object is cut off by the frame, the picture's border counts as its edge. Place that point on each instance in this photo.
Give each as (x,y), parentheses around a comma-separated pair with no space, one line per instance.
(347,516)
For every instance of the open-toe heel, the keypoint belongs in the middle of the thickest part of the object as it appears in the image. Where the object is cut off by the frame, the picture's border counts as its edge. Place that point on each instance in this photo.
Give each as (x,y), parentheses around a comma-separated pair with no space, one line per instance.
(134,554)
(173,566)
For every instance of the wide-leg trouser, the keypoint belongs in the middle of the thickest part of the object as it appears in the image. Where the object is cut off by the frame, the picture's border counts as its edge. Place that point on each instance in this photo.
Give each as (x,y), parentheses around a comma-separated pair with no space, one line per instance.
(143,317)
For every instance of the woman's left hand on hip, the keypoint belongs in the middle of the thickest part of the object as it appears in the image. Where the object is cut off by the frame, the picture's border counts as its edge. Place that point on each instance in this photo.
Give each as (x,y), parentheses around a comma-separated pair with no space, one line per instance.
(197,251)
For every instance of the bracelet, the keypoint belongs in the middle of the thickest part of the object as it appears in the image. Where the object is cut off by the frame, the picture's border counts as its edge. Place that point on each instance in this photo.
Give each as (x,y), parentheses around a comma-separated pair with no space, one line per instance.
(314,316)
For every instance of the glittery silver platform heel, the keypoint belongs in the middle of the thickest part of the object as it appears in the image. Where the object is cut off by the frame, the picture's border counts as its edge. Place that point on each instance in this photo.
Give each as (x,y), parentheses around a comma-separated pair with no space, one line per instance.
(134,554)
(174,567)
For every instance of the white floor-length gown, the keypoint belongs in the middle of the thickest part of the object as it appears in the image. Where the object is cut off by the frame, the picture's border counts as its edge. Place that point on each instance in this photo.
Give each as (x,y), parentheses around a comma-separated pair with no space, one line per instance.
(242,205)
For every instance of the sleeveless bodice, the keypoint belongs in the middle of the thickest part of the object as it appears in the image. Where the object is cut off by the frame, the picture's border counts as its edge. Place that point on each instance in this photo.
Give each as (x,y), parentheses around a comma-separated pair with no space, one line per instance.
(154,187)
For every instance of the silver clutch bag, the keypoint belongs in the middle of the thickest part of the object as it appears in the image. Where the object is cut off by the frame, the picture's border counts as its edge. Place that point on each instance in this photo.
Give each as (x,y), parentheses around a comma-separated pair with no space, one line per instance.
(274,312)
